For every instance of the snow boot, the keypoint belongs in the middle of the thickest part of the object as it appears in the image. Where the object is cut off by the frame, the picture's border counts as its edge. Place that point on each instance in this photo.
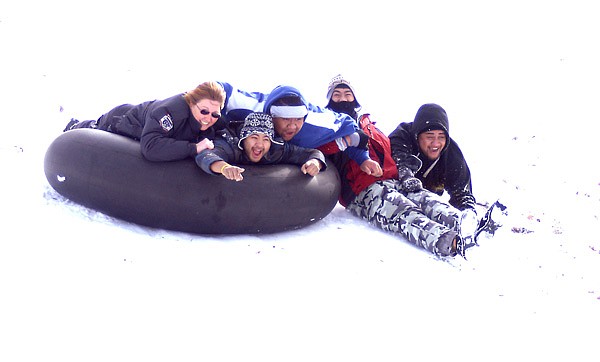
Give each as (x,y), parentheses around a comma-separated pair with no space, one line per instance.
(445,244)
(487,223)
(72,123)
(461,247)
(450,244)
(468,224)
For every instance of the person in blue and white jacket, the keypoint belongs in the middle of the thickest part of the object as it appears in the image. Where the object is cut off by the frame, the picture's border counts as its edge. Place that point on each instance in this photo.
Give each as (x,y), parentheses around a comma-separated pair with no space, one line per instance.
(299,122)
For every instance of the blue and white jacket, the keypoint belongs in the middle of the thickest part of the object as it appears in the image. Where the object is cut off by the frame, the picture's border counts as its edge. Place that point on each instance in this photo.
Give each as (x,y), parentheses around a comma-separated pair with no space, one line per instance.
(321,125)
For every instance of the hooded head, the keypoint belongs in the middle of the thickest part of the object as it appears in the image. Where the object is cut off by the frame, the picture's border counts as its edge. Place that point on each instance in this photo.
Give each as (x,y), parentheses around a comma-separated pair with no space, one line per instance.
(286,102)
(288,108)
(431,117)
(257,122)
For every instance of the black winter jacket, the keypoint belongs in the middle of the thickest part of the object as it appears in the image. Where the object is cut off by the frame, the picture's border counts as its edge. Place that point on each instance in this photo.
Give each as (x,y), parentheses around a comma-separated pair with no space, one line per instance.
(450,172)
(166,129)
(226,149)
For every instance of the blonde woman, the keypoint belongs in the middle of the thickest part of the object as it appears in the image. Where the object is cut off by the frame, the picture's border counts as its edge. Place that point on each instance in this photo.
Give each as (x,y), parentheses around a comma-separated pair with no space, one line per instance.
(170,129)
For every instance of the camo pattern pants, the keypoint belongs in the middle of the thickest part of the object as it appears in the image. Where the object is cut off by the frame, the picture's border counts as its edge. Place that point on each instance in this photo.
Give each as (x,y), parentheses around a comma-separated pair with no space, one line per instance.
(422,217)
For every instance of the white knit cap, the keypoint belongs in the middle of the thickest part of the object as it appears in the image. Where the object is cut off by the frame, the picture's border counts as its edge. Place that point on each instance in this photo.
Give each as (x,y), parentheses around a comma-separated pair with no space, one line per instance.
(337,80)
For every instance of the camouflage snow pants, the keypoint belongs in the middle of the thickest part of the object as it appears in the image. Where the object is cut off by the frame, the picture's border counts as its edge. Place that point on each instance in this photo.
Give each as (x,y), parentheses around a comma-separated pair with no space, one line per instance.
(422,217)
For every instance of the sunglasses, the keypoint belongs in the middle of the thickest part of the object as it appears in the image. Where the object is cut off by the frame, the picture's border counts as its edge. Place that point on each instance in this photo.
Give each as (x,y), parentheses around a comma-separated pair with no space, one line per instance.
(205,112)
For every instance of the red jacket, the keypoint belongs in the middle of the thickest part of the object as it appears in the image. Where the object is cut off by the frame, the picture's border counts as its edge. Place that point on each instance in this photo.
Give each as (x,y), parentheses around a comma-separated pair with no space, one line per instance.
(354,180)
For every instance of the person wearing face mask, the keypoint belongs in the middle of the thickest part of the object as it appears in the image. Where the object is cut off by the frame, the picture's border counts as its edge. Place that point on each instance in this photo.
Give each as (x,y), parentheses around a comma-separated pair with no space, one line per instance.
(168,130)
(341,97)
(394,201)
(256,144)
(381,200)
(300,122)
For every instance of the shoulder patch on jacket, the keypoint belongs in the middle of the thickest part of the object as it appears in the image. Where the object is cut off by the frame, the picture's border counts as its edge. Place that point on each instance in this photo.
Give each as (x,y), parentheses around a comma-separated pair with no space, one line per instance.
(166,122)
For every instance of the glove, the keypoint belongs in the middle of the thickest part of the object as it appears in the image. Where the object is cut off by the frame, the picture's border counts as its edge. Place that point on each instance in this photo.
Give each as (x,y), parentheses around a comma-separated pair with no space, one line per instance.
(468,223)
(363,140)
(408,181)
(412,184)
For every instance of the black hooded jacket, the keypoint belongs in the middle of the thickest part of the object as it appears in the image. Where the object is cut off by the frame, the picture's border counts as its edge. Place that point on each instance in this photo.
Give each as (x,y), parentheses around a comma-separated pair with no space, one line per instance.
(450,172)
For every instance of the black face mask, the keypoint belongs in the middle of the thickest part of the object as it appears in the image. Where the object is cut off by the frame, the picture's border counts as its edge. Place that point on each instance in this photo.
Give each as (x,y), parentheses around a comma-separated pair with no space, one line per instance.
(344,107)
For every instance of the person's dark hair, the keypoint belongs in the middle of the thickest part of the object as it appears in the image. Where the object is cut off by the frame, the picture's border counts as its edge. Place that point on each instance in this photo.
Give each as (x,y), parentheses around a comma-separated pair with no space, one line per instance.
(288,101)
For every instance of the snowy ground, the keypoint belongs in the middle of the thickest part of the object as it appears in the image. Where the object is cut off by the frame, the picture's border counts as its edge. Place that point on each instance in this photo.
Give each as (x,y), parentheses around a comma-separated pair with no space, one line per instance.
(519,81)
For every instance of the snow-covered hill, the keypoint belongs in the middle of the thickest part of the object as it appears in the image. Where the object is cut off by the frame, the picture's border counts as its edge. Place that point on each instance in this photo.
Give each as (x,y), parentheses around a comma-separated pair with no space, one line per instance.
(519,83)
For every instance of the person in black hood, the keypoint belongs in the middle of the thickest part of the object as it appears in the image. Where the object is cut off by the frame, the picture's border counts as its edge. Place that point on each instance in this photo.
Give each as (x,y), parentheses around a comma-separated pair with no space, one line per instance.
(420,217)
(427,158)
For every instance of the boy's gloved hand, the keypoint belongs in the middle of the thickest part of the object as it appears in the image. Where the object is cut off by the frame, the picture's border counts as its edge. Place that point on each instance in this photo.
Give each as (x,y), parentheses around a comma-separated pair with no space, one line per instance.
(412,184)
(409,182)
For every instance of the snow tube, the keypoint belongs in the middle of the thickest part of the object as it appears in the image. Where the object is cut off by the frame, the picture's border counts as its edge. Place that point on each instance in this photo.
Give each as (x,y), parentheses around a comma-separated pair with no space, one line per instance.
(108,173)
